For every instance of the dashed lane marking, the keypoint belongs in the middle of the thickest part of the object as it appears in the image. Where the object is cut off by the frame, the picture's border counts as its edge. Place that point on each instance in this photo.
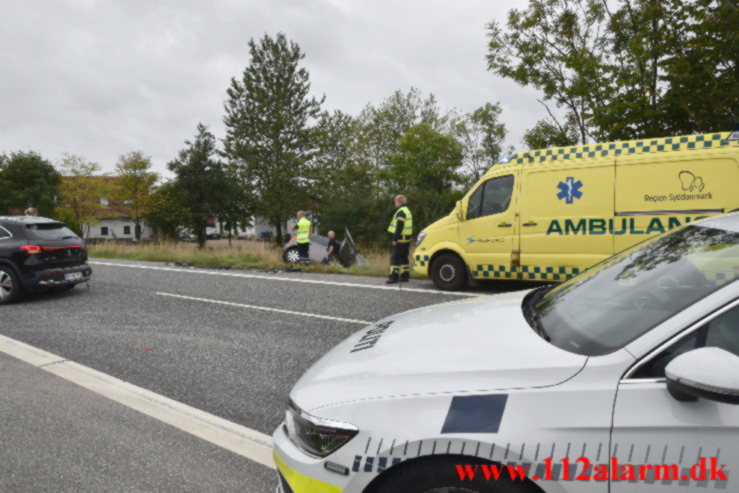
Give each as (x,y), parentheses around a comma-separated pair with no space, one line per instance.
(239,439)
(396,288)
(265,308)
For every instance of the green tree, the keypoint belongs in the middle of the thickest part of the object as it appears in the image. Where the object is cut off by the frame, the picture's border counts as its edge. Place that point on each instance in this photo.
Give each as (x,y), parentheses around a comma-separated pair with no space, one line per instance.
(382,126)
(482,135)
(549,134)
(28,180)
(268,140)
(199,181)
(426,171)
(342,179)
(625,69)
(82,188)
(167,211)
(135,185)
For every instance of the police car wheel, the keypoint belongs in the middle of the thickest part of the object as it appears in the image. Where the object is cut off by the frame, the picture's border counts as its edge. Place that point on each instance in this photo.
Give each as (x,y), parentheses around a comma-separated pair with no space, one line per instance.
(438,475)
(448,272)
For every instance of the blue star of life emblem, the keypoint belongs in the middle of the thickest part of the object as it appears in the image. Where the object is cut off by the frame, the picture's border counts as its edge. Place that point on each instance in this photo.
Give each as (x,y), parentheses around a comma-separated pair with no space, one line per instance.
(569,190)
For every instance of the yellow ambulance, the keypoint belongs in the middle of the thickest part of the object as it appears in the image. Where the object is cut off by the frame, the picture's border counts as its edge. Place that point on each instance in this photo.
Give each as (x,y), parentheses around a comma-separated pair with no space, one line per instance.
(547,215)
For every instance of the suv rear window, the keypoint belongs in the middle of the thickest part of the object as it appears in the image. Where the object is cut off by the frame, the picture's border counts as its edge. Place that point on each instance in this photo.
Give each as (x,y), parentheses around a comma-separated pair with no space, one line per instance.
(50,231)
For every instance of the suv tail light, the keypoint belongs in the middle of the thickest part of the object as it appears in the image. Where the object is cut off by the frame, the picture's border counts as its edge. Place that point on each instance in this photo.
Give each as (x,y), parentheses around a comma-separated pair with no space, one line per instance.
(31,248)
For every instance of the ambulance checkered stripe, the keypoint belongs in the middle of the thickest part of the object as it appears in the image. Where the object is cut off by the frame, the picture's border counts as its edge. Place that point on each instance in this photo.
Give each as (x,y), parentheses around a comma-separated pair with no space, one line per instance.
(422,260)
(666,144)
(525,272)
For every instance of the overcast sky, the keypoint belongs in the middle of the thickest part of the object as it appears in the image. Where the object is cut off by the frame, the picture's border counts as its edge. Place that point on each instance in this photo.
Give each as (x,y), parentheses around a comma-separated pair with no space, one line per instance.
(100,78)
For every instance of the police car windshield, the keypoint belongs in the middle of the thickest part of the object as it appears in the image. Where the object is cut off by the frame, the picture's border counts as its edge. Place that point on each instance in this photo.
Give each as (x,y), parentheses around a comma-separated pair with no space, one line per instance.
(625,296)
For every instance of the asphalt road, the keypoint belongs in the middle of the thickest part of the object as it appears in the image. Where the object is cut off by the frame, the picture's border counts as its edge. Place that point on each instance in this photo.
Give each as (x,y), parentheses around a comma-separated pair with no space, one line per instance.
(230,343)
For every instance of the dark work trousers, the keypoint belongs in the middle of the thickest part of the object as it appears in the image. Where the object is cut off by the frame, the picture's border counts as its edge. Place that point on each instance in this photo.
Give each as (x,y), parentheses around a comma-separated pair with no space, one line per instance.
(399,264)
(303,249)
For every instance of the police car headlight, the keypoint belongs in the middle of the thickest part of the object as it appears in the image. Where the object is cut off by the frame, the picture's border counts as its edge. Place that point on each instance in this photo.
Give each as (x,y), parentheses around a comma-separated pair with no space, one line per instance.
(316,436)
(421,237)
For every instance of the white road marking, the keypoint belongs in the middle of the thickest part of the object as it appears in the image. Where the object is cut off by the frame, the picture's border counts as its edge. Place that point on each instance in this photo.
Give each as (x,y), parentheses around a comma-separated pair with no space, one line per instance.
(265,308)
(239,439)
(402,288)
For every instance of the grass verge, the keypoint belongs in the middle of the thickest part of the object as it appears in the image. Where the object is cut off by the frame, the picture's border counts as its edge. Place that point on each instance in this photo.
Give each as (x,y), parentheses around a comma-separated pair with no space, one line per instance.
(242,255)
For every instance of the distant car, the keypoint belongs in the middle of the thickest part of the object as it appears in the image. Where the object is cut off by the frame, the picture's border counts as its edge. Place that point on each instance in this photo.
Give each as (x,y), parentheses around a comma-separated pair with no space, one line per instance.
(39,254)
(212,233)
(348,254)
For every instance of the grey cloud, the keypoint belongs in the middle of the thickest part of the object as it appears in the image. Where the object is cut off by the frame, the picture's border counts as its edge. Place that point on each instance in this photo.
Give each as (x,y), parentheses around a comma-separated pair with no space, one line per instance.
(100,78)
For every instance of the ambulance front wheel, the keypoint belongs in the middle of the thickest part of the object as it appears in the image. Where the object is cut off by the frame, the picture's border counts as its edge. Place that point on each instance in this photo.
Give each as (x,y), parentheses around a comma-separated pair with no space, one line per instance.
(448,272)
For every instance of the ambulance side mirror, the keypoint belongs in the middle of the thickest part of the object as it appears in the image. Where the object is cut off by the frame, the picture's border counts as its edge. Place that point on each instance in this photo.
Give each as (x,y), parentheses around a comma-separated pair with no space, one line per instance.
(459,211)
(709,372)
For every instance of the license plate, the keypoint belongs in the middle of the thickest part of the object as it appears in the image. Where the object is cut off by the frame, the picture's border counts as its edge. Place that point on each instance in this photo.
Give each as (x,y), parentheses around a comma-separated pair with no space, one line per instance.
(73,276)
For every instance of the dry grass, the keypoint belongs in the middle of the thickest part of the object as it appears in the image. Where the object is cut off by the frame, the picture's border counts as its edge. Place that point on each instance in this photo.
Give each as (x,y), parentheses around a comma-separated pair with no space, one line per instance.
(242,254)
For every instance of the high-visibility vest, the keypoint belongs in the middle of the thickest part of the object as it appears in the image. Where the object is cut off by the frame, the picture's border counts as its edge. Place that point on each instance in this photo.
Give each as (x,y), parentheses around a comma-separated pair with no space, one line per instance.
(407,223)
(303,231)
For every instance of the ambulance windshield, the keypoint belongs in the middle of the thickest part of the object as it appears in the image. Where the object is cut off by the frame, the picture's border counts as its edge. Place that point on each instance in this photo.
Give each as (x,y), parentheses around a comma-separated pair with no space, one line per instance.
(625,296)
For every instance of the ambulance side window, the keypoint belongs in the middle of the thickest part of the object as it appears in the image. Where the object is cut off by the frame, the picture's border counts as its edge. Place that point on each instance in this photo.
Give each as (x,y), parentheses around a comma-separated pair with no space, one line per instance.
(473,207)
(497,196)
(492,197)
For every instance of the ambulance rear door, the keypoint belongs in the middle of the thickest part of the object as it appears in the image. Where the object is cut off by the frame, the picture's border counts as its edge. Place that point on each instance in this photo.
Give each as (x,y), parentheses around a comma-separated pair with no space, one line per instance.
(656,192)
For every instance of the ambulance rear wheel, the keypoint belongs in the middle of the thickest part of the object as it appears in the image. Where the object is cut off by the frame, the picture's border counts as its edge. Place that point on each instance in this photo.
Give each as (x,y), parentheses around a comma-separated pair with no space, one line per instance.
(448,272)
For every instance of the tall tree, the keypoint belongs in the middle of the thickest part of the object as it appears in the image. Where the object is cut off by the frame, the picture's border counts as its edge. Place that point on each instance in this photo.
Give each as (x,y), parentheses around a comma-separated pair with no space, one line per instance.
(342,178)
(268,139)
(82,189)
(548,133)
(481,134)
(426,170)
(168,211)
(135,185)
(199,180)
(625,69)
(382,126)
(28,180)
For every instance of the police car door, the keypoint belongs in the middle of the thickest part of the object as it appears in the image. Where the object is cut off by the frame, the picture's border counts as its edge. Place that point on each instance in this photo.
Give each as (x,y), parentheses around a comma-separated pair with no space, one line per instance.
(489,233)
(652,427)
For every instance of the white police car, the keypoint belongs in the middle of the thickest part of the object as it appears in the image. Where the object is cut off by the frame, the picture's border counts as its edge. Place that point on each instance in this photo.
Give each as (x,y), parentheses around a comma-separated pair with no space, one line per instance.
(625,378)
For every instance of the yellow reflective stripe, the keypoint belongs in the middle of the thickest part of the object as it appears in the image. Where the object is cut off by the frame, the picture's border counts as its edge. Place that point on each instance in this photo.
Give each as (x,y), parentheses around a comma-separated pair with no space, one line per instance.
(407,223)
(301,483)
(303,231)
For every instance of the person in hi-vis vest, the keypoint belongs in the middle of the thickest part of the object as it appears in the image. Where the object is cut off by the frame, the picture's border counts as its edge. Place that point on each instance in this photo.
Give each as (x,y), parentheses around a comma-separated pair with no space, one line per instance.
(401,227)
(302,233)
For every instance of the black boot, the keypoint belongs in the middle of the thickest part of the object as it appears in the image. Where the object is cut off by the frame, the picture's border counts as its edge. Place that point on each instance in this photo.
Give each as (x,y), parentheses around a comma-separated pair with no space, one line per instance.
(405,277)
(393,279)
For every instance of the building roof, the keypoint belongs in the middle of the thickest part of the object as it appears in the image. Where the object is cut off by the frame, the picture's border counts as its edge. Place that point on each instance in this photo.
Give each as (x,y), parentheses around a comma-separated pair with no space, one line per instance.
(612,149)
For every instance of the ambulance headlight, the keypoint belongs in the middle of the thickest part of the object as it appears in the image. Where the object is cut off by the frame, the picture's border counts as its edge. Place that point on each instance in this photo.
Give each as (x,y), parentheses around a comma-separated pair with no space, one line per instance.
(316,436)
(421,237)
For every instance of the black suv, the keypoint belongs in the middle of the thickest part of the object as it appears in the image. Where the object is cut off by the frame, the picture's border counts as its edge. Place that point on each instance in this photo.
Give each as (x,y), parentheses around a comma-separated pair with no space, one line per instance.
(37,254)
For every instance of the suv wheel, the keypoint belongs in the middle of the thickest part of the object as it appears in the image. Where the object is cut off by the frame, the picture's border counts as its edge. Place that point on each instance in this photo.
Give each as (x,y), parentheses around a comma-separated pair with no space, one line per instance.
(449,272)
(9,286)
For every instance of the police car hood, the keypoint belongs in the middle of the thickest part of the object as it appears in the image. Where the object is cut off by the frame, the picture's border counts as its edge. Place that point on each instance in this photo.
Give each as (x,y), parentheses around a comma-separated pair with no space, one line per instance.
(480,344)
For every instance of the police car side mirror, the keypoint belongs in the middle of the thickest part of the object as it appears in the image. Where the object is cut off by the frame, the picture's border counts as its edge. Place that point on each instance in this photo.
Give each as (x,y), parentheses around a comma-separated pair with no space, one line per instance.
(711,373)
